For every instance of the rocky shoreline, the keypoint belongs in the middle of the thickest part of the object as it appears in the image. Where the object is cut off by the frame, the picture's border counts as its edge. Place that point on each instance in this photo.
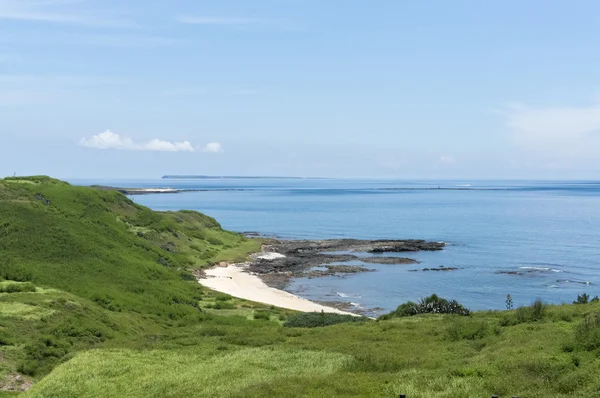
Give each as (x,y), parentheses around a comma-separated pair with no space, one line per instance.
(283,260)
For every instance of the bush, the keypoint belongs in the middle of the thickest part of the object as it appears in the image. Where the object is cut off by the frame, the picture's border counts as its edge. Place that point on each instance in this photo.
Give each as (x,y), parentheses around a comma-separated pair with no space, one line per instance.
(223,297)
(223,305)
(186,276)
(28,367)
(428,305)
(538,310)
(587,333)
(316,319)
(262,314)
(17,288)
(535,312)
(585,298)
(13,272)
(582,299)
(6,338)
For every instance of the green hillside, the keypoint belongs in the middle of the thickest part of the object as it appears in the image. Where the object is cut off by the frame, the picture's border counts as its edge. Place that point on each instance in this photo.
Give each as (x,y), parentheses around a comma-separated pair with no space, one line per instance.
(102,268)
(98,299)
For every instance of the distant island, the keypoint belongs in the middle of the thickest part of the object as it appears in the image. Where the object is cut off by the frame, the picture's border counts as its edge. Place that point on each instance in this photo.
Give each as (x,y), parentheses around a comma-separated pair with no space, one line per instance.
(201,177)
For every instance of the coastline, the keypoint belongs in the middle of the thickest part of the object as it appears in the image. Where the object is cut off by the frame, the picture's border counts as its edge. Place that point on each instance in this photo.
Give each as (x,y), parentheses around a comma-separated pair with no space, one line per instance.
(263,278)
(233,279)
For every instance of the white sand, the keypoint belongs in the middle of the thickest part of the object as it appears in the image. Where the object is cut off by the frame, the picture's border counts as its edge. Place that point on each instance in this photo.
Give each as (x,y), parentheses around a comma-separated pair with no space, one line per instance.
(234,281)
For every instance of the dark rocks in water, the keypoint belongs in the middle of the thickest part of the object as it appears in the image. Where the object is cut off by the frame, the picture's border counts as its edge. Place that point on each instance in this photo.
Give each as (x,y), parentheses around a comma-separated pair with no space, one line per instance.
(297,264)
(388,260)
(510,272)
(251,234)
(347,269)
(337,270)
(355,245)
(440,268)
(406,246)
(300,257)
(41,198)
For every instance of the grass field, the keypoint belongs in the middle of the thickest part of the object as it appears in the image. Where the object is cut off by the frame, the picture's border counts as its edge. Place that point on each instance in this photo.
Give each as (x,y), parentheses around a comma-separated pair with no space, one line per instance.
(98,300)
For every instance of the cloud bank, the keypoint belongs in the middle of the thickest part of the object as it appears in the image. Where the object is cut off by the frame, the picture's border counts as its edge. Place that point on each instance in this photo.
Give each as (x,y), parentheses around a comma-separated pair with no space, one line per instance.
(554,128)
(110,140)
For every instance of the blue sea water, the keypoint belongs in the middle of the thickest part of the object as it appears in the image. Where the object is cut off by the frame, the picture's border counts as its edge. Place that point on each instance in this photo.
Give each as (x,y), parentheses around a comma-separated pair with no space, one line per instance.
(547,232)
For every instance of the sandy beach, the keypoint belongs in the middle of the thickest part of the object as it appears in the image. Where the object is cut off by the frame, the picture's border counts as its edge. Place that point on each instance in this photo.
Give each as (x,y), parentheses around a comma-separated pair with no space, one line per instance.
(234,281)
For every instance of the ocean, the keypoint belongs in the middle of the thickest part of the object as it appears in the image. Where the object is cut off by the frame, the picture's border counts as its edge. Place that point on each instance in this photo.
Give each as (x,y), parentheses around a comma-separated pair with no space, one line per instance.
(529,239)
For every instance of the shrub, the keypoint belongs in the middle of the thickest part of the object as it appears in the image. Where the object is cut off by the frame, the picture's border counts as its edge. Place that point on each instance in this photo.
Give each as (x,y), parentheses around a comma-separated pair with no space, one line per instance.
(535,312)
(428,305)
(28,367)
(13,272)
(582,299)
(186,276)
(223,305)
(222,297)
(538,310)
(509,302)
(214,241)
(262,314)
(587,333)
(17,288)
(6,338)
(316,319)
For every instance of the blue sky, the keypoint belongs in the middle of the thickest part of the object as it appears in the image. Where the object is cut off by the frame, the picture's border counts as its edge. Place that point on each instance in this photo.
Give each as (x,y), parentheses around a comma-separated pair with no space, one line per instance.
(338,88)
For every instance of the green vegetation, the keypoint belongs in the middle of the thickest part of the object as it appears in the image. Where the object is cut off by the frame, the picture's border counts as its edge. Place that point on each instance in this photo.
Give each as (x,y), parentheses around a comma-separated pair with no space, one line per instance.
(135,374)
(315,319)
(428,305)
(98,300)
(16,287)
(584,299)
(81,267)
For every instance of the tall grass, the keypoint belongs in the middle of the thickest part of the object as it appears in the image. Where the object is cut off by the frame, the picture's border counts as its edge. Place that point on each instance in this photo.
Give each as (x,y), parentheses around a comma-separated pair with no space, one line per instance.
(125,373)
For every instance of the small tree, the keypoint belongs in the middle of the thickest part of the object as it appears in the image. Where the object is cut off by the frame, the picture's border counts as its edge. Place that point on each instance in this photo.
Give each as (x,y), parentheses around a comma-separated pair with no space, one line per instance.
(582,299)
(509,302)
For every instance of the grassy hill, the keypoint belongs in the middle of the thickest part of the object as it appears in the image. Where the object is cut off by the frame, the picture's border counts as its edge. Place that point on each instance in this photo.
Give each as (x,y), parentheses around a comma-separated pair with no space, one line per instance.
(101,267)
(97,299)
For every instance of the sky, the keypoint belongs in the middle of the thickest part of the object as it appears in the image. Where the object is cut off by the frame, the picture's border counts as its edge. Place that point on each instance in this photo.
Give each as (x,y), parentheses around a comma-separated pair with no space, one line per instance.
(339,88)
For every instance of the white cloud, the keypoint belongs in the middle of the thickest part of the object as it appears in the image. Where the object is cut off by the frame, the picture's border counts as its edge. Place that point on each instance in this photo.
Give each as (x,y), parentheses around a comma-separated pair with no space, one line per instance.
(53,11)
(110,140)
(556,131)
(213,147)
(188,19)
